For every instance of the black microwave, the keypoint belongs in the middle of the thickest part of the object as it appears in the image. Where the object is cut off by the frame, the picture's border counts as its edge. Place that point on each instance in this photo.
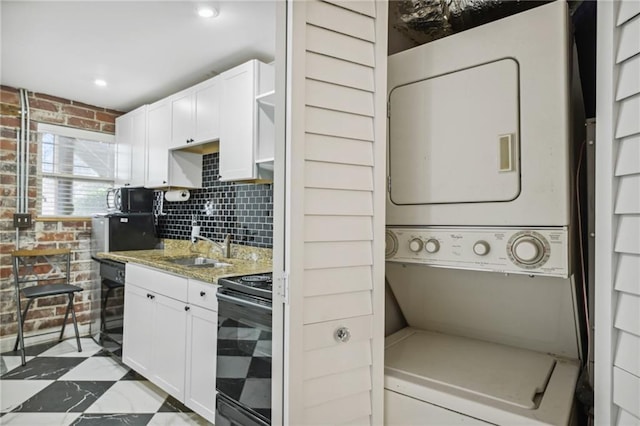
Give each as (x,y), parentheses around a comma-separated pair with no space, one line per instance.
(131,200)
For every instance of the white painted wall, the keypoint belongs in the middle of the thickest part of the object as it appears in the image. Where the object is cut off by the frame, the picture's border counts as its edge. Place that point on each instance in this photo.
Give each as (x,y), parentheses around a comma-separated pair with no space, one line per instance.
(617,294)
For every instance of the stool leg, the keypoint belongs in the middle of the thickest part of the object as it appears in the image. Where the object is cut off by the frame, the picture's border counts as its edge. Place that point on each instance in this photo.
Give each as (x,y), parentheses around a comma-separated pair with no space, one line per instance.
(75,322)
(21,324)
(66,315)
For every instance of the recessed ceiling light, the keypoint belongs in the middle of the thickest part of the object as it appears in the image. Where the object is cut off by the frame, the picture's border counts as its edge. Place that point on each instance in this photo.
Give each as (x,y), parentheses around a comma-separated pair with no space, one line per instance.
(99,82)
(207,12)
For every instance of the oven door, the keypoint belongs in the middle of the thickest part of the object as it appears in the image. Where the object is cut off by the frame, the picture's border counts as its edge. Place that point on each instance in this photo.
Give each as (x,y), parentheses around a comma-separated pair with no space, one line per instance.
(243,372)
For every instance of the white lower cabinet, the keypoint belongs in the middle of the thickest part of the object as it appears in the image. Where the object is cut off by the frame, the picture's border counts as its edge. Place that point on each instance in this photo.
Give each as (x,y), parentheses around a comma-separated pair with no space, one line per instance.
(170,334)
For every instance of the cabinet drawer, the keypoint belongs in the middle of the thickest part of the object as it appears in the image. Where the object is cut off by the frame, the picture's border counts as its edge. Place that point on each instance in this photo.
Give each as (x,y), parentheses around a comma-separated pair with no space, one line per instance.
(157,281)
(203,294)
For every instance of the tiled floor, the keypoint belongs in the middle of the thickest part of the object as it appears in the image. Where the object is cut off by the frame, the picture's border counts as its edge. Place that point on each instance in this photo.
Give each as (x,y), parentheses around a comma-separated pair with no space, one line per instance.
(61,386)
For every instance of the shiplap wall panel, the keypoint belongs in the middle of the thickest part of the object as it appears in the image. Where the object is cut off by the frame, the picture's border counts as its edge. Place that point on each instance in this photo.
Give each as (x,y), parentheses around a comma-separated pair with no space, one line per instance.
(341,20)
(367,8)
(629,84)
(338,202)
(626,419)
(339,150)
(628,353)
(360,421)
(628,9)
(321,335)
(629,43)
(337,280)
(628,234)
(339,411)
(628,273)
(627,199)
(628,313)
(336,45)
(336,306)
(338,123)
(338,228)
(336,71)
(626,392)
(337,359)
(328,388)
(337,176)
(628,117)
(337,254)
(331,96)
(628,161)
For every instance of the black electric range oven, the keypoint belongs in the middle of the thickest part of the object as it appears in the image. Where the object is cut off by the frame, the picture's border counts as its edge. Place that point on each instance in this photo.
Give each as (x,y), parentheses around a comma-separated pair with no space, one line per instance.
(243,373)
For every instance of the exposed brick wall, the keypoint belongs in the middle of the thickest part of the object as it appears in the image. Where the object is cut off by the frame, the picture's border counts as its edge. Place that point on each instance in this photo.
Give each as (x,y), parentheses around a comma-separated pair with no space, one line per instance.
(74,234)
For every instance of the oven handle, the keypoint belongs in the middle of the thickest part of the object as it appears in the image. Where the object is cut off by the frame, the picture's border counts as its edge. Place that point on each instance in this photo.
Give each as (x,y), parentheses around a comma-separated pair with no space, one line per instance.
(242,302)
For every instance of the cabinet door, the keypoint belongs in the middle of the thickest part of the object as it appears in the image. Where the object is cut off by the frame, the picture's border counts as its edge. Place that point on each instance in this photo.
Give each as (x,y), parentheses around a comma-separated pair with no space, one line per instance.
(169,345)
(237,125)
(182,119)
(159,136)
(124,136)
(138,321)
(200,389)
(207,112)
(138,146)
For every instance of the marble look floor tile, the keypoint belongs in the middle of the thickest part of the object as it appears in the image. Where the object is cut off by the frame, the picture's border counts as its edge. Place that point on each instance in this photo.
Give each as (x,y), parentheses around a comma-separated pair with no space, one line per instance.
(43,368)
(97,368)
(172,405)
(132,396)
(45,419)
(65,396)
(167,419)
(68,348)
(15,392)
(8,363)
(133,375)
(33,350)
(113,419)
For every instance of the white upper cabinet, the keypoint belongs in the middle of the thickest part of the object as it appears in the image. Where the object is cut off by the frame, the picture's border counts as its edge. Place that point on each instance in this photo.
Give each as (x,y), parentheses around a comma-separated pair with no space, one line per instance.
(239,126)
(131,138)
(195,114)
(167,168)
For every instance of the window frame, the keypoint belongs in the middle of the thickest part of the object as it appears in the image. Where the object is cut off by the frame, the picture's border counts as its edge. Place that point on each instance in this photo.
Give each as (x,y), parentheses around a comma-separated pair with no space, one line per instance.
(69,132)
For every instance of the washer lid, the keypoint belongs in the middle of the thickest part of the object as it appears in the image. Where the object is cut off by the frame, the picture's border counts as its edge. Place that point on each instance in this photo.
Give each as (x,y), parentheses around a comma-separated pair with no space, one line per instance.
(499,372)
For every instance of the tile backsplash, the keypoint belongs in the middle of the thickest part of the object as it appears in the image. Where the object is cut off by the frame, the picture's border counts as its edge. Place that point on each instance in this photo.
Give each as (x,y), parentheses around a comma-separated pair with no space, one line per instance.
(241,209)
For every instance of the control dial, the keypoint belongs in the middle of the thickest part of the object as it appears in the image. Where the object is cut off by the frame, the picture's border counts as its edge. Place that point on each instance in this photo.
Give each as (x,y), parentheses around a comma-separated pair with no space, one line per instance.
(481,248)
(528,249)
(390,244)
(432,245)
(415,245)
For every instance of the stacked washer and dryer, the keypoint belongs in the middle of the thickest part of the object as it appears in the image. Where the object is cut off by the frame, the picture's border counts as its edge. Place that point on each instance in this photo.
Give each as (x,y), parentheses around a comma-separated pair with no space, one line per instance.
(479,226)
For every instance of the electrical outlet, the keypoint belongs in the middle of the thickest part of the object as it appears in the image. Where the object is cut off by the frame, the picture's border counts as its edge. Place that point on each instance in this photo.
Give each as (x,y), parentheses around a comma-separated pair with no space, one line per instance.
(22,220)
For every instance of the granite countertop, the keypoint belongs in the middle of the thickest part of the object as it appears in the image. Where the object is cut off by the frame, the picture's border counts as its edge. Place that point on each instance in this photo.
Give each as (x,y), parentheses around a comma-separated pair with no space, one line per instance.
(244,260)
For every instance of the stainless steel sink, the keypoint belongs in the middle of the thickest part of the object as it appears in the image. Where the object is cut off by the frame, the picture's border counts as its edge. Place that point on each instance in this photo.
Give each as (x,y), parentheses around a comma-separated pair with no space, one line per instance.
(199,261)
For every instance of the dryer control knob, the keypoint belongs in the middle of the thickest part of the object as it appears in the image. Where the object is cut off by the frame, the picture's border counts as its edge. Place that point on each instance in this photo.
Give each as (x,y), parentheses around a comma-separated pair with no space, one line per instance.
(481,248)
(432,245)
(528,250)
(415,245)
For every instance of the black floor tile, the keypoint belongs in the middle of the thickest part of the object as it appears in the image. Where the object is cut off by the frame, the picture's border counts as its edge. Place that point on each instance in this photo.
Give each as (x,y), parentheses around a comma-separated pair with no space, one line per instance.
(112,419)
(172,405)
(33,350)
(132,375)
(43,368)
(65,396)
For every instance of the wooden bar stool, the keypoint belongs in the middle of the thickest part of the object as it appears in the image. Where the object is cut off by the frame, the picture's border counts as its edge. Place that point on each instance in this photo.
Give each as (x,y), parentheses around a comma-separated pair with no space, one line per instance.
(51,267)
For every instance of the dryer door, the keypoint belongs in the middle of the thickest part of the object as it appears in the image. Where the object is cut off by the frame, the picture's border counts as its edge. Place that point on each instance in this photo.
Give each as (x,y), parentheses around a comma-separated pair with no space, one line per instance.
(454,138)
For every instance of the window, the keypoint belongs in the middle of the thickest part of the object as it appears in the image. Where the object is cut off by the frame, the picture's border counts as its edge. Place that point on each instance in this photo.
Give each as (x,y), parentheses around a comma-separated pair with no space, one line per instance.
(76,169)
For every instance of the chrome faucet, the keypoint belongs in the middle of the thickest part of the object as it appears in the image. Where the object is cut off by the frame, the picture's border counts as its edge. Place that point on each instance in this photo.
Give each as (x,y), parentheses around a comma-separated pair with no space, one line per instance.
(224,247)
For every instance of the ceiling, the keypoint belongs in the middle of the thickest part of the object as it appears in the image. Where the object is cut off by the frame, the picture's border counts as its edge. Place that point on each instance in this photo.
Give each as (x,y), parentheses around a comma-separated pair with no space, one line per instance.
(144,50)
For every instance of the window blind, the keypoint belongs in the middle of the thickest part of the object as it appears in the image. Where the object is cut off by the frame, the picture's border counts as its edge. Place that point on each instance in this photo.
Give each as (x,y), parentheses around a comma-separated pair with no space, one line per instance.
(76,169)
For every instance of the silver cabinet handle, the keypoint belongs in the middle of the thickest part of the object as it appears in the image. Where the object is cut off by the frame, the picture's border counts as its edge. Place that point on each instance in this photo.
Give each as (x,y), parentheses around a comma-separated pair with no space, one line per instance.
(342,334)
